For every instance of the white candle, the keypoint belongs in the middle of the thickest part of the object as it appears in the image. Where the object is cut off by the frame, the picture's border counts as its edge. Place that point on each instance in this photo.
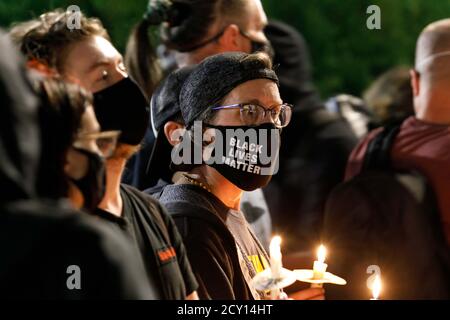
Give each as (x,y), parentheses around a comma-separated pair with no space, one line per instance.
(376,287)
(320,267)
(275,263)
(275,257)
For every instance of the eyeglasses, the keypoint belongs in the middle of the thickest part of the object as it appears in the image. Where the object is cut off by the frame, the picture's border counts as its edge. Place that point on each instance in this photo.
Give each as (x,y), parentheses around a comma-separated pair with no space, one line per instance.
(254,114)
(103,142)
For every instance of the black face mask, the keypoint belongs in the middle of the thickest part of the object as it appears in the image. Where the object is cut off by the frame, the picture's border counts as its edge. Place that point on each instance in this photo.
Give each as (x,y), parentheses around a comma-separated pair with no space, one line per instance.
(123,107)
(248,163)
(93,184)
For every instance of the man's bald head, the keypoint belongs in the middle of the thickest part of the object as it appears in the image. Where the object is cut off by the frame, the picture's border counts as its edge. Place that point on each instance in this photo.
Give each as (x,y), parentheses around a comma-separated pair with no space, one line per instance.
(431,78)
(433,48)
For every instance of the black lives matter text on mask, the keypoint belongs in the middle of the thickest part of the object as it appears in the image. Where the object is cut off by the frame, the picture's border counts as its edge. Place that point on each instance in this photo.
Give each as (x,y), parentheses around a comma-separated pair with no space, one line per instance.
(250,149)
(243,155)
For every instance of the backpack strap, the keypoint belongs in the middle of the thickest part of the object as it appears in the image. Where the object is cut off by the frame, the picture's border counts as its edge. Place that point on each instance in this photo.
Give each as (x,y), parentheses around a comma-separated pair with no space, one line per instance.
(378,154)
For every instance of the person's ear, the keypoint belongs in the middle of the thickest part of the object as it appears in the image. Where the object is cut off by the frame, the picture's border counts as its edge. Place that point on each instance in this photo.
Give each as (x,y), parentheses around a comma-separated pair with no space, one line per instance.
(231,40)
(174,132)
(415,82)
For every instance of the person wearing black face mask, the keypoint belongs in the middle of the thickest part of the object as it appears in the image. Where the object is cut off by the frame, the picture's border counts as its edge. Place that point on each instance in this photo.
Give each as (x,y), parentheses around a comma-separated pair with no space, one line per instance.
(81,176)
(233,99)
(86,162)
(41,235)
(123,107)
(194,30)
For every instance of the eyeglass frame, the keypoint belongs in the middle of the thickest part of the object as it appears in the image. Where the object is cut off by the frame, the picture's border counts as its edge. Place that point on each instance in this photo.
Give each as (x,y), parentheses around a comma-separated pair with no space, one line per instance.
(266,110)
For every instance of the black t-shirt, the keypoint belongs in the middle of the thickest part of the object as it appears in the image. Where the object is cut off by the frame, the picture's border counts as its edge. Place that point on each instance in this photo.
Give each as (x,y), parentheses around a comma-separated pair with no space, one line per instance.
(219,260)
(160,245)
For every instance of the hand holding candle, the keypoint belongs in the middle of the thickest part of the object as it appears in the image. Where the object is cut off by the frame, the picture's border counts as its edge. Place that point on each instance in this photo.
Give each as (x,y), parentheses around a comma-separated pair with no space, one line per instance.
(274,278)
(319,275)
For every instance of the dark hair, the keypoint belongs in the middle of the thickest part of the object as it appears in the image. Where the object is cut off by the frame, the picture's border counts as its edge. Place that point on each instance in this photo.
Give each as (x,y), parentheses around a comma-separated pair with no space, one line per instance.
(177,117)
(62,107)
(47,38)
(183,24)
(390,96)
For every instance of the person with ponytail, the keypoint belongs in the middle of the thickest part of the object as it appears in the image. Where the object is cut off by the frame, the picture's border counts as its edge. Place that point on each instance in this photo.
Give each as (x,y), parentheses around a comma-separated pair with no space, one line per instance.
(193,30)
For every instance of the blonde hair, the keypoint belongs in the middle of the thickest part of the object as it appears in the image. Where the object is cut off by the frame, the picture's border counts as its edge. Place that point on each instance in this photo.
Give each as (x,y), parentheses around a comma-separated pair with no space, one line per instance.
(47,38)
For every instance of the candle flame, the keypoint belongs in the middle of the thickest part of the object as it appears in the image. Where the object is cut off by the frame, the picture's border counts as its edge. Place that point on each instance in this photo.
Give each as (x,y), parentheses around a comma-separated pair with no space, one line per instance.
(321,253)
(376,287)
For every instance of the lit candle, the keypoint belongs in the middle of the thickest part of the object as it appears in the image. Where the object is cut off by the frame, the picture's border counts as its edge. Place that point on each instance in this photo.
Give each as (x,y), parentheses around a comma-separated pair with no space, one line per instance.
(275,257)
(320,267)
(275,264)
(376,287)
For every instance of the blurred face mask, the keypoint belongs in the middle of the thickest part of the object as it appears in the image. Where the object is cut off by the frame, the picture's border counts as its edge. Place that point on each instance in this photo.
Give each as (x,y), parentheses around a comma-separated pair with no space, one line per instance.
(93,184)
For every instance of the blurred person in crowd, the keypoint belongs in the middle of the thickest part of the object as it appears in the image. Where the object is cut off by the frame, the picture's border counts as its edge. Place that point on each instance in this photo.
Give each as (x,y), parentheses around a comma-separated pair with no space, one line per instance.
(43,240)
(354,110)
(315,148)
(226,92)
(87,56)
(192,31)
(392,210)
(423,139)
(80,171)
(390,97)
(387,101)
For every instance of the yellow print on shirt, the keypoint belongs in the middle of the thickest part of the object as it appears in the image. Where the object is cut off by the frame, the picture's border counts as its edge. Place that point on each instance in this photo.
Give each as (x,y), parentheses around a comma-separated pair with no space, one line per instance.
(259,263)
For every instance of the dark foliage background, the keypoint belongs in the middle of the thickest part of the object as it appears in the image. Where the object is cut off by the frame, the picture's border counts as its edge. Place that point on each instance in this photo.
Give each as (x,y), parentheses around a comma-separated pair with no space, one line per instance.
(346,55)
